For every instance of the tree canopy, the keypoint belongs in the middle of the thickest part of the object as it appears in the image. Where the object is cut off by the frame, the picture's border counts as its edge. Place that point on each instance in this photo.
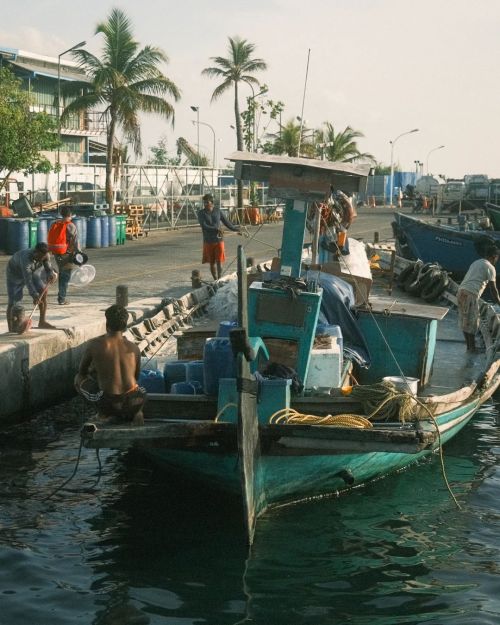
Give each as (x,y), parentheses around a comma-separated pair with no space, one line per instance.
(24,135)
(125,82)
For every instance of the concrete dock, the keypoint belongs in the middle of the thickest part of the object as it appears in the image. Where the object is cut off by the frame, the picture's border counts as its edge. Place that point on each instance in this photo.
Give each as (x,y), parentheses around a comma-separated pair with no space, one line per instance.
(37,368)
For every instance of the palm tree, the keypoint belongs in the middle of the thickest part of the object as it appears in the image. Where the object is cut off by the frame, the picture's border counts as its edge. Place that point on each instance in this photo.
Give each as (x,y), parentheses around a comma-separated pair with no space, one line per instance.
(126,81)
(237,67)
(340,146)
(286,141)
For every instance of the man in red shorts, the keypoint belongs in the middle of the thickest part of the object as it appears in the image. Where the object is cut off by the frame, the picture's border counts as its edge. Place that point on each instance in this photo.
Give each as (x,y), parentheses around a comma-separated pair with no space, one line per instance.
(210,219)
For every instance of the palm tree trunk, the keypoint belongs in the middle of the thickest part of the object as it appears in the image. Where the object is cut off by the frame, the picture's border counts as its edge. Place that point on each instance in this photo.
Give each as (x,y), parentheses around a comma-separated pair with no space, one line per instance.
(239,144)
(109,162)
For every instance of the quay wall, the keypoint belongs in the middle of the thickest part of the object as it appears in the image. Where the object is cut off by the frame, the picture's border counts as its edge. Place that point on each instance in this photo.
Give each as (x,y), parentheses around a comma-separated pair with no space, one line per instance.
(37,368)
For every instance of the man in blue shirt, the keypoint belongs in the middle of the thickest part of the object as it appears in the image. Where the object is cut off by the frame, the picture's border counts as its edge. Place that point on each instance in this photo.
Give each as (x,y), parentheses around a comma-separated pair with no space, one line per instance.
(210,219)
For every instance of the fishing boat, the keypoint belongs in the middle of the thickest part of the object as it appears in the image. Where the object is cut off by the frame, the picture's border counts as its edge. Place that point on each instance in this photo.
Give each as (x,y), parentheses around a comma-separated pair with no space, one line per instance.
(306,413)
(455,245)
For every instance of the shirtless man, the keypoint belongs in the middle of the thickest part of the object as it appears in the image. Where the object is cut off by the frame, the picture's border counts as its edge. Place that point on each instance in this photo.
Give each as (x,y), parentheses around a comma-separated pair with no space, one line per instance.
(115,362)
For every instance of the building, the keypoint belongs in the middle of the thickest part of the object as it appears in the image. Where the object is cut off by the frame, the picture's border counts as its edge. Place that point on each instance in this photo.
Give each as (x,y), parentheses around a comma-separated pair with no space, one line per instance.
(83,136)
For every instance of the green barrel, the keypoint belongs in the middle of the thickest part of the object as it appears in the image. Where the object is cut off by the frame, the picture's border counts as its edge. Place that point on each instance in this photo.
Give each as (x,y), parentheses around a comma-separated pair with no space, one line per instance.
(121,221)
(33,232)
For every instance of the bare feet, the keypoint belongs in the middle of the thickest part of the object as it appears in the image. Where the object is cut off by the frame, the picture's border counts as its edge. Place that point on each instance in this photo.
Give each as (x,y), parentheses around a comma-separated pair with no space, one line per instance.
(44,325)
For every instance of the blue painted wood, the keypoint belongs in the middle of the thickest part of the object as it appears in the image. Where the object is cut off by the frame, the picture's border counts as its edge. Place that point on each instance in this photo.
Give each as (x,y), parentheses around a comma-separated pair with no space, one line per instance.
(294,216)
(411,340)
(452,248)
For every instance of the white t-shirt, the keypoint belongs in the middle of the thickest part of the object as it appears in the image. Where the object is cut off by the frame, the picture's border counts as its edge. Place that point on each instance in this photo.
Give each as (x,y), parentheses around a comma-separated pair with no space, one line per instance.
(476,279)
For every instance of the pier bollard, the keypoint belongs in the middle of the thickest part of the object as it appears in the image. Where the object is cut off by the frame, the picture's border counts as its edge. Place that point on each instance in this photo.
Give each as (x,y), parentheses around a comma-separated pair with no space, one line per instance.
(122,295)
(376,237)
(195,279)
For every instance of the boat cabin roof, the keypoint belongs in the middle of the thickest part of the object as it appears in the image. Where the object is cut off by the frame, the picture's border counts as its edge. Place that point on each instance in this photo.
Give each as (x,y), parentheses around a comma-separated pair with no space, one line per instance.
(299,178)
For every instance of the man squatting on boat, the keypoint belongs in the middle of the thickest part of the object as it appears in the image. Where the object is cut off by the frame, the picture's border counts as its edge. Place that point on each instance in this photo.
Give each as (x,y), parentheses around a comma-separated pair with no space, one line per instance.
(109,371)
(480,274)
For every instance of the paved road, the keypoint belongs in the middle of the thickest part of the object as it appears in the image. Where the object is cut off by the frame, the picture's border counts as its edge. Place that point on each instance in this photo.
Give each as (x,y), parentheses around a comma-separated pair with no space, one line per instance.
(161,264)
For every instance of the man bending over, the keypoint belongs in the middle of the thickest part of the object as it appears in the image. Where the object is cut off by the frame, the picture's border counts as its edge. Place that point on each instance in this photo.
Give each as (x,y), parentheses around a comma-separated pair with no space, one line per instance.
(109,371)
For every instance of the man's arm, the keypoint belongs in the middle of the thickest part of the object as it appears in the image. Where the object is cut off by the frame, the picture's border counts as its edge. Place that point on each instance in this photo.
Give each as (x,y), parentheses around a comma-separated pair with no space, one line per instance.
(204,224)
(72,237)
(494,291)
(27,272)
(228,224)
(137,362)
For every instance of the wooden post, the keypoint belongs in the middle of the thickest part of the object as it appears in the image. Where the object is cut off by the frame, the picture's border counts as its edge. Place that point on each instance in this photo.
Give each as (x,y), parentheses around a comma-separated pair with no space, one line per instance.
(195,279)
(375,237)
(122,295)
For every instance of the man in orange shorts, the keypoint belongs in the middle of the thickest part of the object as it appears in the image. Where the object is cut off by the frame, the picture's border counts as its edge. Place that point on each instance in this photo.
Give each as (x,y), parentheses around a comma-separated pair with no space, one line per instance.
(210,219)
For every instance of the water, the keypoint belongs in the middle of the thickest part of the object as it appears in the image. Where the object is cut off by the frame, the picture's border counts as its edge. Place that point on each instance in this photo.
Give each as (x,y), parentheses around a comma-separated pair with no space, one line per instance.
(142,547)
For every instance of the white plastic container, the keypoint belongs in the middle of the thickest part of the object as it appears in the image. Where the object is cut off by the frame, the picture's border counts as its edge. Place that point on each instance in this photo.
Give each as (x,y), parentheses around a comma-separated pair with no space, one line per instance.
(403,384)
(325,368)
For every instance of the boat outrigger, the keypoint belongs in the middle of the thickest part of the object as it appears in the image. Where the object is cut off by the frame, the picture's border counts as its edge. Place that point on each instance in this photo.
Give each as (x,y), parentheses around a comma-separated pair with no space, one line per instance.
(321,420)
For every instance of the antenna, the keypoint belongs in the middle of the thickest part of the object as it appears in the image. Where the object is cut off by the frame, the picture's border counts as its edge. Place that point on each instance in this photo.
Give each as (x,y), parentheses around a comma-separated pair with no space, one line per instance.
(303,100)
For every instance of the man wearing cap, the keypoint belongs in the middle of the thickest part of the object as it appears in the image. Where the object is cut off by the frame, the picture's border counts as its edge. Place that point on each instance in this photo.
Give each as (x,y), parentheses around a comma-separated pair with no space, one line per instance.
(63,243)
(481,274)
(210,219)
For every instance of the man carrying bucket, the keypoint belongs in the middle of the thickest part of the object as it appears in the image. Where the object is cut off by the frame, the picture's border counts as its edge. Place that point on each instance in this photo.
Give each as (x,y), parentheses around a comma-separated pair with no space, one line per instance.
(22,272)
(63,243)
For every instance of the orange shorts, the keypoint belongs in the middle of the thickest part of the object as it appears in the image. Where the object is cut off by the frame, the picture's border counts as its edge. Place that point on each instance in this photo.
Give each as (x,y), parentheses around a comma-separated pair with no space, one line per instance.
(213,253)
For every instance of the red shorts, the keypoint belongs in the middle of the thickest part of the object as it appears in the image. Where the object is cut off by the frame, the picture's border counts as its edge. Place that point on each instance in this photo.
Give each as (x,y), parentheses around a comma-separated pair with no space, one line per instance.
(213,253)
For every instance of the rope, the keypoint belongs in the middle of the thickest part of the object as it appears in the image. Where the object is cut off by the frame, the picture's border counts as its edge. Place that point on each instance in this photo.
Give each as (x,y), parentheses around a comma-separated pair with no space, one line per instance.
(291,416)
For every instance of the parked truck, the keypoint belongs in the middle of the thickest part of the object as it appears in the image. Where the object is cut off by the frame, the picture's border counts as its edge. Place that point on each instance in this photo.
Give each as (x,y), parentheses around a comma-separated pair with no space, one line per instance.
(450,195)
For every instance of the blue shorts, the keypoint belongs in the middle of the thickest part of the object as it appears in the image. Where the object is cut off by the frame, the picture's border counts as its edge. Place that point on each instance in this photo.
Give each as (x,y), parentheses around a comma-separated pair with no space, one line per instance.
(15,288)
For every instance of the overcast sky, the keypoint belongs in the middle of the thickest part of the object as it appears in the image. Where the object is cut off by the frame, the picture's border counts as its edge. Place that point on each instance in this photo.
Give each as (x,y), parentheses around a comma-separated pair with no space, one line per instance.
(381,66)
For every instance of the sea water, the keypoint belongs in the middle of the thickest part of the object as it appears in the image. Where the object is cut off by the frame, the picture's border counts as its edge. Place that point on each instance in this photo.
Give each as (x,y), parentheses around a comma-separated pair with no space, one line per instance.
(128,544)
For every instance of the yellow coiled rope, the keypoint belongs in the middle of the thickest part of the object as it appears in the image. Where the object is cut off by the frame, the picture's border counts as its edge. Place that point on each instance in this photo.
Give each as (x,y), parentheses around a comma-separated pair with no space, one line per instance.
(290,416)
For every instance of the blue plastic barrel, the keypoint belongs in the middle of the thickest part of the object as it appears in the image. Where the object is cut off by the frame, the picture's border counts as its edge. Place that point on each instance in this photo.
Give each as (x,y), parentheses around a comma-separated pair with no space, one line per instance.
(112,229)
(174,371)
(104,231)
(83,242)
(186,388)
(80,228)
(225,327)
(94,232)
(195,371)
(218,363)
(152,381)
(18,235)
(42,230)
(4,222)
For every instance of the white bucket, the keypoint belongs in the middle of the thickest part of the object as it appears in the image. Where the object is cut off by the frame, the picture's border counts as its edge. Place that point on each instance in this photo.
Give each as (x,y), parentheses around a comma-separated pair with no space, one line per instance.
(403,384)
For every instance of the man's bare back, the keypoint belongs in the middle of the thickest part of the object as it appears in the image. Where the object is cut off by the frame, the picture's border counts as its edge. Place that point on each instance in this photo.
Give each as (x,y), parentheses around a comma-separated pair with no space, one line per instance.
(116,361)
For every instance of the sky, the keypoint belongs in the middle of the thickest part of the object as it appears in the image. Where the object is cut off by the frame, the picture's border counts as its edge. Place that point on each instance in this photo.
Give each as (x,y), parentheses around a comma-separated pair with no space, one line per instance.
(384,67)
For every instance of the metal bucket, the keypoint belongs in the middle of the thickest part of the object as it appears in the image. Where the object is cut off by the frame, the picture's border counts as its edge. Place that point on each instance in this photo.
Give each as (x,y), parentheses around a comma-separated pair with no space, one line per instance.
(403,384)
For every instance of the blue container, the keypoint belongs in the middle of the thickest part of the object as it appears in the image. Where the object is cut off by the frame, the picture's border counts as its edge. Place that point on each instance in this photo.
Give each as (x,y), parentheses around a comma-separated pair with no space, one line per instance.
(104,231)
(94,232)
(18,235)
(174,371)
(4,222)
(112,229)
(218,363)
(42,230)
(225,327)
(186,388)
(81,229)
(152,381)
(330,330)
(195,371)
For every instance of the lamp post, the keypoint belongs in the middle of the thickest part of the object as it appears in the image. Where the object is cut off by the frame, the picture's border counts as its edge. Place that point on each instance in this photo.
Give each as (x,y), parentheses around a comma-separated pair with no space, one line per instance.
(213,132)
(75,47)
(196,109)
(263,89)
(391,186)
(427,159)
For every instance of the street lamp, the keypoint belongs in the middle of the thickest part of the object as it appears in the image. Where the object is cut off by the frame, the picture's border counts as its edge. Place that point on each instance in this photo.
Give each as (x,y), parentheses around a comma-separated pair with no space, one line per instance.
(263,89)
(196,109)
(427,159)
(75,47)
(213,131)
(391,186)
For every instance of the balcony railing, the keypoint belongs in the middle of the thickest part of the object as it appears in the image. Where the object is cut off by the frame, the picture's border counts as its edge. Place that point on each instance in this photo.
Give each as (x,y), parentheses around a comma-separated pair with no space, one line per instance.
(88,124)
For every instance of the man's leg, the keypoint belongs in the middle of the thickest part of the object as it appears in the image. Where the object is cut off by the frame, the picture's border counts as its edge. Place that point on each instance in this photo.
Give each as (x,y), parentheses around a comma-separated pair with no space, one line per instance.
(219,269)
(9,316)
(42,306)
(213,271)
(64,277)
